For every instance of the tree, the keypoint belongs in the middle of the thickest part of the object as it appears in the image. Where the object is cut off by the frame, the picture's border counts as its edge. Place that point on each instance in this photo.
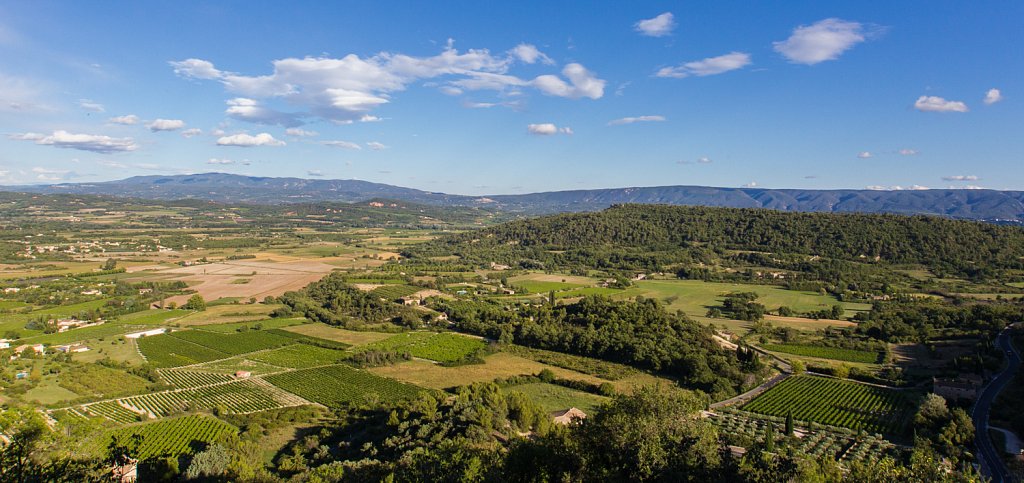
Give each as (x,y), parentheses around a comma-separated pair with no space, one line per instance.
(110,264)
(769,437)
(212,462)
(196,303)
(789,423)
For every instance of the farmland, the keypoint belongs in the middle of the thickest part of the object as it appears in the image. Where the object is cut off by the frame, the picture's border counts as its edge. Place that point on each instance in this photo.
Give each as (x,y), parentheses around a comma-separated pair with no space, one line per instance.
(837,403)
(233,344)
(335,386)
(165,350)
(299,356)
(171,437)
(834,353)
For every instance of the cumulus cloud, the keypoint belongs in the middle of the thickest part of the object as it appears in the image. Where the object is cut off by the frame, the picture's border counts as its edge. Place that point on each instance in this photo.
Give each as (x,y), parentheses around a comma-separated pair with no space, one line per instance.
(300,133)
(127,120)
(915,187)
(376,146)
(191,133)
(659,26)
(250,110)
(91,106)
(529,54)
(969,177)
(865,155)
(165,125)
(248,141)
(83,142)
(547,129)
(346,89)
(315,173)
(219,161)
(823,40)
(752,184)
(708,66)
(342,144)
(993,96)
(938,104)
(582,83)
(907,152)
(631,120)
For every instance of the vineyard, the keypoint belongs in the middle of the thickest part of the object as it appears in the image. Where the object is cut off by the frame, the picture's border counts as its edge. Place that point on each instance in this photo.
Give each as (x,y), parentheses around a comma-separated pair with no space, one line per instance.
(172,437)
(835,353)
(112,411)
(299,356)
(167,351)
(240,397)
(187,379)
(395,292)
(841,443)
(837,403)
(234,344)
(335,386)
(440,347)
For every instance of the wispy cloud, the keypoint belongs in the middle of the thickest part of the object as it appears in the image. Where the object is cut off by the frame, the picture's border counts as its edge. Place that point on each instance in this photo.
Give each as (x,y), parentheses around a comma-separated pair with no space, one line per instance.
(128,120)
(960,177)
(90,106)
(547,129)
(300,133)
(708,66)
(376,146)
(915,187)
(631,120)
(865,155)
(907,152)
(342,145)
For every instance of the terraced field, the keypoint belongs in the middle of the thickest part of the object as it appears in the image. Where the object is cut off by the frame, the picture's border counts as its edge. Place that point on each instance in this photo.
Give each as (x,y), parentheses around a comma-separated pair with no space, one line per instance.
(240,397)
(188,379)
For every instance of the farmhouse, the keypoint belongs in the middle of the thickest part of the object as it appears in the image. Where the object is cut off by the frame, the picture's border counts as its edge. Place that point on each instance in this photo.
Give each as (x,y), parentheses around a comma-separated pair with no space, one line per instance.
(568,416)
(72,348)
(127,473)
(12,290)
(38,348)
(409,300)
(242,374)
(21,375)
(5,344)
(136,335)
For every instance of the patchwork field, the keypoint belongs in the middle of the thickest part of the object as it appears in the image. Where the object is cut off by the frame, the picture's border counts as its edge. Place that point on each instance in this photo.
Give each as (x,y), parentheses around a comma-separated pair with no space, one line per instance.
(438,347)
(335,386)
(171,437)
(351,337)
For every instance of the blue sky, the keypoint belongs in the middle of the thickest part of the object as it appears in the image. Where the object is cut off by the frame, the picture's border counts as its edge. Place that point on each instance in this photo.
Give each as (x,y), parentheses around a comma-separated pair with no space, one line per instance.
(514,97)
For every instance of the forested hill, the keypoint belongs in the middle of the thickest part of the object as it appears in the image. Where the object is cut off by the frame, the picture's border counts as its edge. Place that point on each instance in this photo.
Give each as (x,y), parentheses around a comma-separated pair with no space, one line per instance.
(624,231)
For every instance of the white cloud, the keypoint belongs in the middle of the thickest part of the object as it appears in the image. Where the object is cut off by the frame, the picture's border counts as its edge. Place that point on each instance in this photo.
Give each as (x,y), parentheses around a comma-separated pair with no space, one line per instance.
(704,160)
(376,146)
(973,187)
(128,120)
(907,152)
(300,133)
(865,155)
(195,69)
(709,66)
(915,187)
(547,129)
(631,120)
(823,40)
(529,54)
(752,184)
(659,26)
(315,173)
(191,133)
(219,161)
(247,140)
(938,104)
(90,106)
(165,125)
(993,96)
(451,90)
(582,83)
(83,142)
(969,177)
(19,94)
(250,110)
(342,144)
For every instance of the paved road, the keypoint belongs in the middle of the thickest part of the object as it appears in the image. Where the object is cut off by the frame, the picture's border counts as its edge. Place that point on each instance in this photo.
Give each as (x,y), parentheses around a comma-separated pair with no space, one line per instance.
(992,465)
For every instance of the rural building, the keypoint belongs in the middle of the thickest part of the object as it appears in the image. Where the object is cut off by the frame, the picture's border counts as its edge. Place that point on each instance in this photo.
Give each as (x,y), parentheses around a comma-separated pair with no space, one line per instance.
(128,473)
(21,375)
(5,344)
(92,292)
(38,348)
(144,291)
(954,389)
(568,416)
(242,374)
(409,301)
(72,348)
(136,335)
(12,290)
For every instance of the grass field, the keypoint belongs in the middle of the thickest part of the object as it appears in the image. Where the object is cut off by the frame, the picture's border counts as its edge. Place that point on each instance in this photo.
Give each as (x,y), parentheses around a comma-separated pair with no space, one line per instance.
(335,386)
(166,350)
(837,402)
(228,313)
(264,324)
(351,337)
(234,344)
(235,364)
(152,317)
(94,380)
(553,398)
(834,353)
(439,347)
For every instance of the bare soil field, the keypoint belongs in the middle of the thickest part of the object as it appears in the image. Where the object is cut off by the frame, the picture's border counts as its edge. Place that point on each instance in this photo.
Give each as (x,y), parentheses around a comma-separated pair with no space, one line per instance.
(265,278)
(807,324)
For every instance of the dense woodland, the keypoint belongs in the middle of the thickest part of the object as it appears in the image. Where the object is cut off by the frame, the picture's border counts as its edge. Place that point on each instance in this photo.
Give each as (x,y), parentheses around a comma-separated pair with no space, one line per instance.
(653,237)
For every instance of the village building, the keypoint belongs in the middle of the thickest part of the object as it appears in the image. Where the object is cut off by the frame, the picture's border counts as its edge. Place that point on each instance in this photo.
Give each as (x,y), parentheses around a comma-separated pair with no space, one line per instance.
(127,473)
(72,348)
(242,374)
(568,416)
(37,348)
(5,344)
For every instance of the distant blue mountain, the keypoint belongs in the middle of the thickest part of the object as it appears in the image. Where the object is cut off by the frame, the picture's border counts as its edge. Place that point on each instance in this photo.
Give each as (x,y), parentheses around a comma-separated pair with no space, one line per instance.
(988,205)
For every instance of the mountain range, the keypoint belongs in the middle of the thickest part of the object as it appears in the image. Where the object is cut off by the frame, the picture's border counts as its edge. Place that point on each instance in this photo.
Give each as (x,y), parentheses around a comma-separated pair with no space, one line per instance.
(987,205)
